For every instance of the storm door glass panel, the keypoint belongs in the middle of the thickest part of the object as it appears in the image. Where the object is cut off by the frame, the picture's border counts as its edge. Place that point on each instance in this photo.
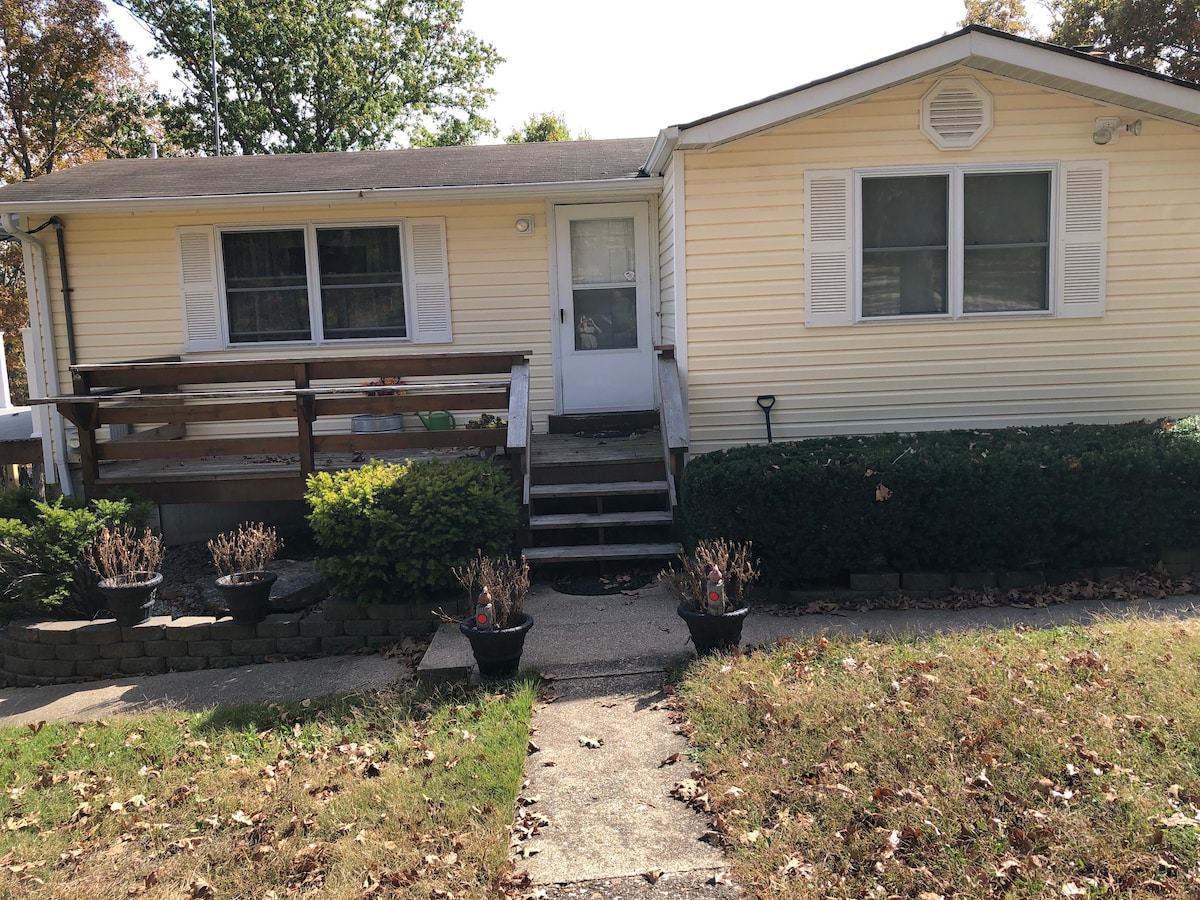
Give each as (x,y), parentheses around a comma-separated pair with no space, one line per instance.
(1006,242)
(266,285)
(362,289)
(604,295)
(905,245)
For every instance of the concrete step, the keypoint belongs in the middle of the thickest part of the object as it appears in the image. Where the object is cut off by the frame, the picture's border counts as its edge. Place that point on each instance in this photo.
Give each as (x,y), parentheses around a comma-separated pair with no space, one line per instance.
(567,554)
(601,520)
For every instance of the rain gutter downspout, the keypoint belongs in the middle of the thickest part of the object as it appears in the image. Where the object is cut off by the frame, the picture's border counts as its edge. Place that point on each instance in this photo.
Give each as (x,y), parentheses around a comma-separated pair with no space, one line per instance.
(43,366)
(68,313)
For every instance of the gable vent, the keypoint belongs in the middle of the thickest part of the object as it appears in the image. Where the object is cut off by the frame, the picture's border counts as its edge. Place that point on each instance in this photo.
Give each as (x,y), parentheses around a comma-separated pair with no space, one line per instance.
(956,113)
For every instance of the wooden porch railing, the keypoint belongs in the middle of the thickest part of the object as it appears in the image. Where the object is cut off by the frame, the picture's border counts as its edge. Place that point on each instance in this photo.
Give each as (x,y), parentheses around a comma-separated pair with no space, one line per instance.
(672,419)
(166,399)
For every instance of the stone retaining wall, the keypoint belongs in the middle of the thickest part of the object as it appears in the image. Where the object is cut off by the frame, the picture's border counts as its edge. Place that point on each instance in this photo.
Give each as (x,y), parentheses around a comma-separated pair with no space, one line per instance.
(48,652)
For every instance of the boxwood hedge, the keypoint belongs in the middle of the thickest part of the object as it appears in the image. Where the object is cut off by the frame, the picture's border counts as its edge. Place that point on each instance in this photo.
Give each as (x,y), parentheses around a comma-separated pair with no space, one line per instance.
(1053,497)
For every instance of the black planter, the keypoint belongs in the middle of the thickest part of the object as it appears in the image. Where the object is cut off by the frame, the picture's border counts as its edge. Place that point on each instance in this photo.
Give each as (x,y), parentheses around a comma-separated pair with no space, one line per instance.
(710,633)
(130,603)
(249,600)
(497,653)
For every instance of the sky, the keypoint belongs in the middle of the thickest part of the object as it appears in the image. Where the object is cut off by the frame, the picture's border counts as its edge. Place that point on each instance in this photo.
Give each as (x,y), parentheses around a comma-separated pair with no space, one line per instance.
(628,68)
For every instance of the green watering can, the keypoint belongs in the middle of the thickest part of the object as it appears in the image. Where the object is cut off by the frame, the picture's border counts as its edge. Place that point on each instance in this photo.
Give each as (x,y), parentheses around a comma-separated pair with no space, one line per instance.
(437,421)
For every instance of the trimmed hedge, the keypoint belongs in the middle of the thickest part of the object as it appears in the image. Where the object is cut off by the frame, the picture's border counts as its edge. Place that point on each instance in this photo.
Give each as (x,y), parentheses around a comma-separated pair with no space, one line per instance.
(392,533)
(1053,497)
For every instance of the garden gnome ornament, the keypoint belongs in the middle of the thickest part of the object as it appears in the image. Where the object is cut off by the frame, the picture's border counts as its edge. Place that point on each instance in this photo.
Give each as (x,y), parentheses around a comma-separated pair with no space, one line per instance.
(485,612)
(714,593)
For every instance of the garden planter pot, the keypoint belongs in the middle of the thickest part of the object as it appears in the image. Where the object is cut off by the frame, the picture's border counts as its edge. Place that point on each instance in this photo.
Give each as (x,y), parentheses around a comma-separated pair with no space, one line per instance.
(711,633)
(497,653)
(249,601)
(130,603)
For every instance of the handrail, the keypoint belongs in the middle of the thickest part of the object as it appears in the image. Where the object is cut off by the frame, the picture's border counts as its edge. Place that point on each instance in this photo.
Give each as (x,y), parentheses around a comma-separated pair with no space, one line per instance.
(672,423)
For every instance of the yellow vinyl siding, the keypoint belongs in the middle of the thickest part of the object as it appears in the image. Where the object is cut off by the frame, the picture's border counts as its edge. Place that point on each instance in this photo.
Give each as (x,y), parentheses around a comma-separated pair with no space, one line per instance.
(666,258)
(745,252)
(126,295)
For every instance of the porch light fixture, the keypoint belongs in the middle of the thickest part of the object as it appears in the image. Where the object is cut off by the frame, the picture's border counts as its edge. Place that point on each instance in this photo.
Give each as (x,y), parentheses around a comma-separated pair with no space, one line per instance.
(1109,128)
(524,225)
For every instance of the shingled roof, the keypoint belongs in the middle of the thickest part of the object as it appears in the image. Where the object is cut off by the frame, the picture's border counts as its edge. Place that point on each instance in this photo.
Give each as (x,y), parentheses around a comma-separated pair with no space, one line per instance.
(481,166)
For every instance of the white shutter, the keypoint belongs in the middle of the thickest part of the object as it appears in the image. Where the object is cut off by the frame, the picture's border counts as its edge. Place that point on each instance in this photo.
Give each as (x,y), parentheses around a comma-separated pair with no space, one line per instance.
(430,282)
(828,249)
(1082,238)
(199,289)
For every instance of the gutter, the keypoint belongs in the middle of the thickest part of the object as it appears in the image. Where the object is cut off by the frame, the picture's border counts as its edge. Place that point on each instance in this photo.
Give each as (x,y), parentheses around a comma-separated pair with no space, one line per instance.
(41,356)
(660,153)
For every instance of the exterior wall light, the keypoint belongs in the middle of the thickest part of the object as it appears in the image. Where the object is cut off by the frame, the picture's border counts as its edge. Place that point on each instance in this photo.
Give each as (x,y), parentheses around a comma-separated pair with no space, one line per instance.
(524,225)
(1109,128)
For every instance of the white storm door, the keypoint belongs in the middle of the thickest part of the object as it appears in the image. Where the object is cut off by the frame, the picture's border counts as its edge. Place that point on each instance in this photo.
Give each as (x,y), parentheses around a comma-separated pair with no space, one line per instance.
(605,349)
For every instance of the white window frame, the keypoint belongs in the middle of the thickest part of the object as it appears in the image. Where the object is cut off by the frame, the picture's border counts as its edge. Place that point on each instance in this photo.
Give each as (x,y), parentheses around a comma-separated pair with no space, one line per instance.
(313,274)
(955,239)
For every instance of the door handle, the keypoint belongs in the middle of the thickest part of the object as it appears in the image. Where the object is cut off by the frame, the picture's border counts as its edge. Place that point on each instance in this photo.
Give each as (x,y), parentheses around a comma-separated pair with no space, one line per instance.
(562,316)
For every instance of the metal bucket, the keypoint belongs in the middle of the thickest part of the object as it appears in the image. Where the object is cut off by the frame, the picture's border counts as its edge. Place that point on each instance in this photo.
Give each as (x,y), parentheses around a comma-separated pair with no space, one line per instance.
(377,424)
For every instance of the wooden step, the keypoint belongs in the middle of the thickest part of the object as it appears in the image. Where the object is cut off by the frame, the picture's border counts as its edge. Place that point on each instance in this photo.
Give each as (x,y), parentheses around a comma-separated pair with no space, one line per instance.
(601,520)
(606,551)
(598,489)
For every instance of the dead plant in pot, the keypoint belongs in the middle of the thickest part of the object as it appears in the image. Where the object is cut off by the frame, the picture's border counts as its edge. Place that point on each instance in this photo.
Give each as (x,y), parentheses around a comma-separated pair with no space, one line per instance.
(498,588)
(242,557)
(127,561)
(712,587)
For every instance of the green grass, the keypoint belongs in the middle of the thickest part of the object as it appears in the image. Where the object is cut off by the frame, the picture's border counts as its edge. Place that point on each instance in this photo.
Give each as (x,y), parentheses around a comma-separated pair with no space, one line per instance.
(1061,763)
(402,795)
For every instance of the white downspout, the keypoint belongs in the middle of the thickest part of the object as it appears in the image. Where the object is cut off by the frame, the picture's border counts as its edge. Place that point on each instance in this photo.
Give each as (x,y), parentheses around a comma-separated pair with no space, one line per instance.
(41,356)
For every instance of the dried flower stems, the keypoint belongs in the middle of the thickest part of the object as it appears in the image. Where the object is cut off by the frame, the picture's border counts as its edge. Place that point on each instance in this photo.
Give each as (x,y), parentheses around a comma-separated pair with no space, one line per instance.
(738,568)
(248,549)
(506,580)
(123,555)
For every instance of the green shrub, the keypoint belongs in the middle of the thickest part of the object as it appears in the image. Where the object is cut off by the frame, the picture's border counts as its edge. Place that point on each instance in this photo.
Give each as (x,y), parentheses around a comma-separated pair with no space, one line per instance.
(1051,497)
(394,533)
(43,562)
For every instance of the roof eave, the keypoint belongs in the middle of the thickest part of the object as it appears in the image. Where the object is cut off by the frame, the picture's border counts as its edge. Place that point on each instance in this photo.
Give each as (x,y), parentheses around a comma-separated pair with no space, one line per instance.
(1058,68)
(641,184)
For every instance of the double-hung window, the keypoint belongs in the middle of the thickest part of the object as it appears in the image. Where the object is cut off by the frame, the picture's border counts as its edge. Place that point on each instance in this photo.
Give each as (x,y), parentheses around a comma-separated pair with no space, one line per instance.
(955,242)
(314,283)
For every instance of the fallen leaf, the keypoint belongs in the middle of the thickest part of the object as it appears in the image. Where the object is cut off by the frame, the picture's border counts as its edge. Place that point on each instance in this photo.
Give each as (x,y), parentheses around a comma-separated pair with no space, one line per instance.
(590,743)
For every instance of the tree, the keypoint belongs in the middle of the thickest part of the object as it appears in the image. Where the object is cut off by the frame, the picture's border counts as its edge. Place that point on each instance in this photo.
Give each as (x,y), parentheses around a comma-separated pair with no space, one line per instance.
(317,75)
(1159,35)
(547,126)
(1003,15)
(69,91)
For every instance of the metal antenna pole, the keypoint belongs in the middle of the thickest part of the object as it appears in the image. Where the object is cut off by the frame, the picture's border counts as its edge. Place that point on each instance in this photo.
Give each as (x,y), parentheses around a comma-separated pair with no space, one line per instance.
(212,33)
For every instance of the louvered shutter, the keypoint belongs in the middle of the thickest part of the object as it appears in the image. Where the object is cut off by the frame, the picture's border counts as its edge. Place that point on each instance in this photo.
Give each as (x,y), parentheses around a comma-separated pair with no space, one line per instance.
(430,281)
(1082,238)
(828,249)
(199,289)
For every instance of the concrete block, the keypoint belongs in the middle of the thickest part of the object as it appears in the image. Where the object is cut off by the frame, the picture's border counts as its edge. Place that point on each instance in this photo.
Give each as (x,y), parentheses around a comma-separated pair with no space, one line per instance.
(339,610)
(298,646)
(24,630)
(15,665)
(186,663)
(190,628)
(58,632)
(208,649)
(298,586)
(166,648)
(925,581)
(332,646)
(365,627)
(253,647)
(319,627)
(1178,556)
(230,662)
(34,680)
(973,581)
(228,630)
(54,668)
(36,651)
(876,581)
(447,659)
(374,642)
(123,650)
(150,630)
(76,653)
(280,625)
(96,633)
(1021,578)
(97,668)
(144,665)
(1104,573)
(388,611)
